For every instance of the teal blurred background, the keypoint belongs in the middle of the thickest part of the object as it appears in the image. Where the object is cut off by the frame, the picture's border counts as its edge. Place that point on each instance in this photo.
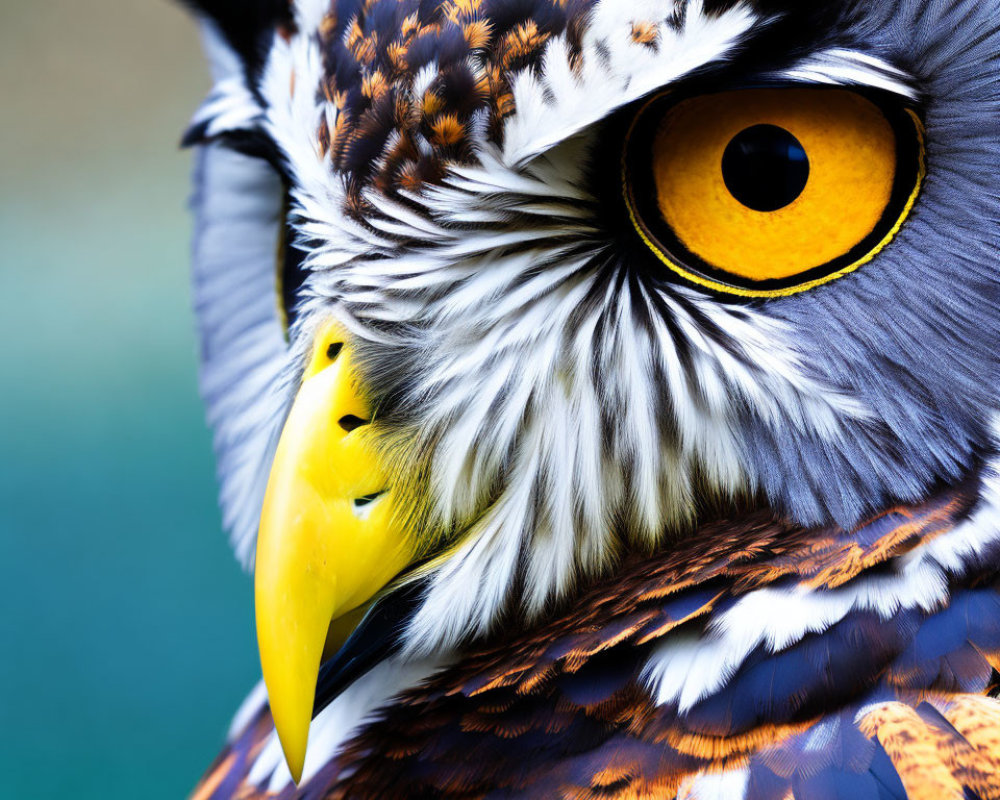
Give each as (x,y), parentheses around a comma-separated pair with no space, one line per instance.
(126,628)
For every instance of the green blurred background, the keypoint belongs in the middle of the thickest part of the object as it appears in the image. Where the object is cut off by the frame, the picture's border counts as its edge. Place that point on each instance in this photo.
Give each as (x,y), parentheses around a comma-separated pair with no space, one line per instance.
(126,629)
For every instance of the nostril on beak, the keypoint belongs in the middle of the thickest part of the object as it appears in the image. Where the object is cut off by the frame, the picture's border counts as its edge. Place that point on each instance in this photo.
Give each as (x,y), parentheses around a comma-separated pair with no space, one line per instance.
(363,506)
(367,500)
(334,350)
(351,422)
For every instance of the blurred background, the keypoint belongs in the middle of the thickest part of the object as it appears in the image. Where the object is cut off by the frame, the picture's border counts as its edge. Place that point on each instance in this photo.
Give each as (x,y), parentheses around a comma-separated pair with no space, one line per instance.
(126,627)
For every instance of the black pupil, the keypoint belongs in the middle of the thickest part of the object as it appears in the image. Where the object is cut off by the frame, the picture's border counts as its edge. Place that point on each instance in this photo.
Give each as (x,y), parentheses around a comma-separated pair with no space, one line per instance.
(765,167)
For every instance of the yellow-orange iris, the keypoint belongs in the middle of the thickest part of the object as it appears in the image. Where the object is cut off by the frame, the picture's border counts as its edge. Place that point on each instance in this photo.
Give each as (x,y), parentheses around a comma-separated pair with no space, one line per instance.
(853,159)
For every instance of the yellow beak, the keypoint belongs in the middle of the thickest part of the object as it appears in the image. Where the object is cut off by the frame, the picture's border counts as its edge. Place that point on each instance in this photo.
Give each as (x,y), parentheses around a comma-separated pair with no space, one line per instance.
(330,537)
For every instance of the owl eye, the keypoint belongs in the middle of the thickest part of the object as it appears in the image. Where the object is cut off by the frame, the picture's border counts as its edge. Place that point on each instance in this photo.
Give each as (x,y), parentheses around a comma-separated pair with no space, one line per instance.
(768,192)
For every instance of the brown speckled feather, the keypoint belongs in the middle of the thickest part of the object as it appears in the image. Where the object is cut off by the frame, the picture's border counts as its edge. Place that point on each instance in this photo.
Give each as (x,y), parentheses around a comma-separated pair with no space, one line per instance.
(395,135)
(562,710)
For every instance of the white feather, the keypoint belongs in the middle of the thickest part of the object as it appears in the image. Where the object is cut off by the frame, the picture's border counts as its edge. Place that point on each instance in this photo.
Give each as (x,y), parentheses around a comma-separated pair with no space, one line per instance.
(843,67)
(237,205)
(685,670)
(613,71)
(731,784)
(334,725)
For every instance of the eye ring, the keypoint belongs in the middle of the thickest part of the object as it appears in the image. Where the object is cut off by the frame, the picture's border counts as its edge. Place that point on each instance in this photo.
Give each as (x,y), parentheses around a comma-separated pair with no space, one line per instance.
(639,191)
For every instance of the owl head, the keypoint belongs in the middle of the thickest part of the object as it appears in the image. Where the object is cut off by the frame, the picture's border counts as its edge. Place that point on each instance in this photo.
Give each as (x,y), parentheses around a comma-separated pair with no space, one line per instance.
(558,278)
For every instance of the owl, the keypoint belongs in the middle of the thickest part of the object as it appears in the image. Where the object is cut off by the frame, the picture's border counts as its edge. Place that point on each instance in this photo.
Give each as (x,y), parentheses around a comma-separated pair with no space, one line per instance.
(604,394)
